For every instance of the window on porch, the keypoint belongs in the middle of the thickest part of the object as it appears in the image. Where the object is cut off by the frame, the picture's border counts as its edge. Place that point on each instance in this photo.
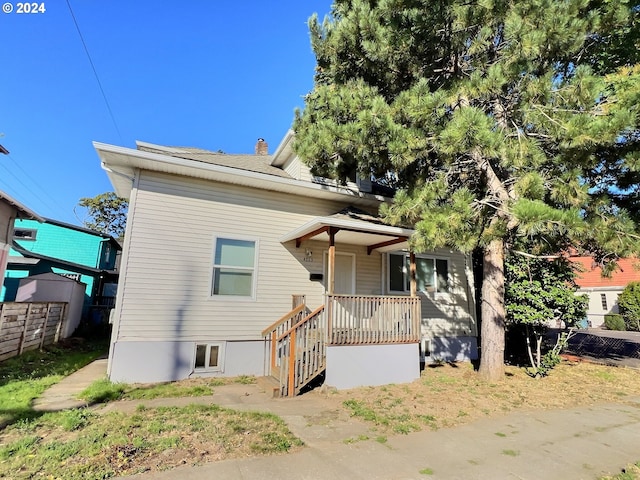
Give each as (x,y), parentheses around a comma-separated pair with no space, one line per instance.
(432,274)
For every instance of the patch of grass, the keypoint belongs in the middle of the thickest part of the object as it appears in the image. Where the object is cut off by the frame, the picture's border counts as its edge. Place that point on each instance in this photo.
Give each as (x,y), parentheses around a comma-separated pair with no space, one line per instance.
(630,472)
(426,471)
(385,416)
(406,427)
(102,391)
(500,434)
(381,439)
(511,453)
(20,447)
(71,420)
(245,379)
(605,375)
(26,377)
(428,420)
(358,409)
(167,390)
(359,438)
(98,446)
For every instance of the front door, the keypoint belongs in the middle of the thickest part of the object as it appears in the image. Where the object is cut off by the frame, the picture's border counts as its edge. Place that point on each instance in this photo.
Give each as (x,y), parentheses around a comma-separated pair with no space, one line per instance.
(345,280)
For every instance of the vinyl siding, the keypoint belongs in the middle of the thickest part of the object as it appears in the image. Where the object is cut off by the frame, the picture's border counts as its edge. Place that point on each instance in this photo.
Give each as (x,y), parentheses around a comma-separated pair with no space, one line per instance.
(167,263)
(449,314)
(169,259)
(298,170)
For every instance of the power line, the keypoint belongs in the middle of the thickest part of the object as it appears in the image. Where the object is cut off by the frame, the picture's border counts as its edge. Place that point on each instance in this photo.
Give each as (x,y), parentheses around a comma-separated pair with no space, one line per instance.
(32,179)
(23,184)
(95,72)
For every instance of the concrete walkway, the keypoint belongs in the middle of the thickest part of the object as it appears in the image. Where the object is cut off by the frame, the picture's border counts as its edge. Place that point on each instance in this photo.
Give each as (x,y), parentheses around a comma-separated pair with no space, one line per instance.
(62,395)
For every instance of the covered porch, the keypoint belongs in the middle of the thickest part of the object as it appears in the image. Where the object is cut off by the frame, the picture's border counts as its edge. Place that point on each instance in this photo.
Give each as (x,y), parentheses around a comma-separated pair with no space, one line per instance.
(345,336)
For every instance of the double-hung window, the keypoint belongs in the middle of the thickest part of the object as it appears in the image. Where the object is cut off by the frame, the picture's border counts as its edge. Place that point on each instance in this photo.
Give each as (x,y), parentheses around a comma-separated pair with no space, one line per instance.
(234,268)
(432,274)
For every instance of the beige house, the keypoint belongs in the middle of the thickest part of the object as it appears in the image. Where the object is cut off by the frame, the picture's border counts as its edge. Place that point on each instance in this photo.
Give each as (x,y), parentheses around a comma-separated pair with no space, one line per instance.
(247,264)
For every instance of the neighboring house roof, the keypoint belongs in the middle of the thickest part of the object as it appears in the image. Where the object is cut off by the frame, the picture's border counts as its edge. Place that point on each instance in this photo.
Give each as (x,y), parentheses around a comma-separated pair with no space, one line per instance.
(591,274)
(23,212)
(76,267)
(83,229)
(254,171)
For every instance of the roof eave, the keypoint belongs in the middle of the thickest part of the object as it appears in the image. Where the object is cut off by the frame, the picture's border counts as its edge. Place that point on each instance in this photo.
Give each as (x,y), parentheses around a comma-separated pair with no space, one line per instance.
(284,149)
(24,212)
(121,164)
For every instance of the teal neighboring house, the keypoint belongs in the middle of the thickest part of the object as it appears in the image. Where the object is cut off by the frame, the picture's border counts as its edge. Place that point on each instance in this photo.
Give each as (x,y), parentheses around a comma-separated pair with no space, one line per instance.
(75,252)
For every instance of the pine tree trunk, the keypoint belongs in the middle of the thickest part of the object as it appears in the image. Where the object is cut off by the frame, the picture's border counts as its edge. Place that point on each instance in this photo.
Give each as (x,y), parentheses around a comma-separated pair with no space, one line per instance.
(493,313)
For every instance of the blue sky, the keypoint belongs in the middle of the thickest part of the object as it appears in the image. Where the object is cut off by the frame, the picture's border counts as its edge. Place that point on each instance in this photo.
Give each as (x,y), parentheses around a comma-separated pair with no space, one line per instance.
(213,74)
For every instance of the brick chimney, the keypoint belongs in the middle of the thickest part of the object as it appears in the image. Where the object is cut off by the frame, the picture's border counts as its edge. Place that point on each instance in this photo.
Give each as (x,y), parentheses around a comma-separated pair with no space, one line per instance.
(262,148)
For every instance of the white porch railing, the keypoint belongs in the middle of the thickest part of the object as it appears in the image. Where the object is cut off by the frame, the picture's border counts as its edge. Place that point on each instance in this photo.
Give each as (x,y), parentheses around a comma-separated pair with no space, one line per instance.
(297,342)
(372,319)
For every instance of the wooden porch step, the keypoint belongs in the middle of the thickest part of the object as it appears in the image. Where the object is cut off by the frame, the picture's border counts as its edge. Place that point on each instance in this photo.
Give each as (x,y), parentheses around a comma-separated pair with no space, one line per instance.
(270,385)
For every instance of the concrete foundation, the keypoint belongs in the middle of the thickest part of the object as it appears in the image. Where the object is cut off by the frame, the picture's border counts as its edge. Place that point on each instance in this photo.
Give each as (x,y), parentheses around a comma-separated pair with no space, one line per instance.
(165,361)
(371,365)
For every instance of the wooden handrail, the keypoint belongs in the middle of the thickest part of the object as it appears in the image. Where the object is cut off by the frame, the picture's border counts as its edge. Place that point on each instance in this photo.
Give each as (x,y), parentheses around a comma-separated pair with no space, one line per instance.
(297,345)
(283,319)
(305,319)
(297,350)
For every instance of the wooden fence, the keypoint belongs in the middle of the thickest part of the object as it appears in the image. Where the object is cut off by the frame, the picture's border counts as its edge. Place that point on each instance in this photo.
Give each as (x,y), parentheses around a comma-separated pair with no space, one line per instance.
(27,326)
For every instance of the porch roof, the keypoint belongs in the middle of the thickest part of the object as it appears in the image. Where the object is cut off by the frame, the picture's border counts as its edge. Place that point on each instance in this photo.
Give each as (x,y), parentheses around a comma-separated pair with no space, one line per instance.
(355,227)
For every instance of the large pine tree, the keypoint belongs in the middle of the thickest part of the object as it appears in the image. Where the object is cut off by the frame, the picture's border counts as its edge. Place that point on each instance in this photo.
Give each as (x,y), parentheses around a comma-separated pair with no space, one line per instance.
(497,120)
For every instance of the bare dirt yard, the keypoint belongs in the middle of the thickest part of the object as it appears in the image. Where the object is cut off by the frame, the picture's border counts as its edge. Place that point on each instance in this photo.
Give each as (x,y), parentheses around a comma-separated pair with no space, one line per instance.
(452,394)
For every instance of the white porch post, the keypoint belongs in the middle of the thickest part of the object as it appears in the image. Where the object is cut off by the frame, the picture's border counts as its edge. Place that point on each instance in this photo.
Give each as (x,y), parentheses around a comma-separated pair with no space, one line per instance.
(331,269)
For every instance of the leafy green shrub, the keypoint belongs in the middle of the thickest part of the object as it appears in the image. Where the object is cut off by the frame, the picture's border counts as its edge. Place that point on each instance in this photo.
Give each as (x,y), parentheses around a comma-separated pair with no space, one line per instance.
(539,293)
(629,303)
(614,321)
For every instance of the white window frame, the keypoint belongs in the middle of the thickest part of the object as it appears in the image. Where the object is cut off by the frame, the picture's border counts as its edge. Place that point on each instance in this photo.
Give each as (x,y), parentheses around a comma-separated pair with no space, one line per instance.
(206,368)
(254,277)
(603,302)
(407,273)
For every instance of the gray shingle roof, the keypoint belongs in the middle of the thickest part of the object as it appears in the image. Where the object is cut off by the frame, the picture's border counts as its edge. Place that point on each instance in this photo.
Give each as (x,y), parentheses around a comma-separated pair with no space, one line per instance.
(249,162)
(354,213)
